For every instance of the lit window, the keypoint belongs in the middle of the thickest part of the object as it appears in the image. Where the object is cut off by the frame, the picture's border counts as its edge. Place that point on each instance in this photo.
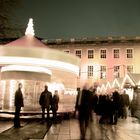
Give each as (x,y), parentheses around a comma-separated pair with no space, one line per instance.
(90,71)
(103,53)
(90,54)
(116,53)
(78,53)
(129,53)
(130,68)
(103,72)
(116,71)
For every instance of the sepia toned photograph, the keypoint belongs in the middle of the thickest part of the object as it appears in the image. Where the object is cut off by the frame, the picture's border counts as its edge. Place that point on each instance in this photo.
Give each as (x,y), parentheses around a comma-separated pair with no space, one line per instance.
(69,70)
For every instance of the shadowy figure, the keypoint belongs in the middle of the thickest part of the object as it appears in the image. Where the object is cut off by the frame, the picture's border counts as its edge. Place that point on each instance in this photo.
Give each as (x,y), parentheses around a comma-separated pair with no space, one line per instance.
(133,105)
(54,107)
(18,105)
(45,101)
(116,106)
(124,104)
(85,110)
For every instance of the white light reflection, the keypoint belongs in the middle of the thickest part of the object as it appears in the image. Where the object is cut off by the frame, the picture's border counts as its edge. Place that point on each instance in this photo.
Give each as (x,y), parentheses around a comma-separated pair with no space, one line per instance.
(12,91)
(130,92)
(55,86)
(70,91)
(108,85)
(98,90)
(25,68)
(127,78)
(116,84)
(3,82)
(30,29)
(40,62)
(103,89)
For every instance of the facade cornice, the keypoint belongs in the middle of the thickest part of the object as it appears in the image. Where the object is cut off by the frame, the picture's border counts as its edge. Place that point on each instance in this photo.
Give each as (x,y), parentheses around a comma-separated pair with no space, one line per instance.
(96,40)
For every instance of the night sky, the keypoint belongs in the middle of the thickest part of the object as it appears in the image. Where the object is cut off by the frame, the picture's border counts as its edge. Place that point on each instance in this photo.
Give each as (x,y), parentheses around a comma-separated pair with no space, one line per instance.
(80,18)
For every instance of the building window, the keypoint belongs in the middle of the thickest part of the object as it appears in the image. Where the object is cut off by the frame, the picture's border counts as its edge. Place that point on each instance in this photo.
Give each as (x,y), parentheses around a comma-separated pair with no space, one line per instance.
(90,71)
(103,53)
(117,71)
(116,53)
(129,53)
(130,68)
(67,51)
(103,72)
(78,53)
(90,54)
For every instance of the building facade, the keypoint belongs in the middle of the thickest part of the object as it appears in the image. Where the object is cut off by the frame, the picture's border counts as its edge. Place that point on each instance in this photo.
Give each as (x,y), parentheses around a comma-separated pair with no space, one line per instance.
(102,59)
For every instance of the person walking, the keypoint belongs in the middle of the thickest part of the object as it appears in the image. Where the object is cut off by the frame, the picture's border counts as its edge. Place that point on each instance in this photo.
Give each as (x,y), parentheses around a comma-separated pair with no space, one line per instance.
(116,105)
(18,104)
(125,104)
(45,102)
(85,108)
(54,107)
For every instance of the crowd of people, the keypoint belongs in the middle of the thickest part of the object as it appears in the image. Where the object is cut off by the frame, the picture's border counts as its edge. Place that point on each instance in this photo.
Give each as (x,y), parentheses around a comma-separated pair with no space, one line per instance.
(113,106)
(108,106)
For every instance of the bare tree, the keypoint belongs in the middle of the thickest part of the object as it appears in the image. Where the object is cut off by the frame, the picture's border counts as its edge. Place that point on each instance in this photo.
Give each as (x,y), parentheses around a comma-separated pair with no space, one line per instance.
(6,10)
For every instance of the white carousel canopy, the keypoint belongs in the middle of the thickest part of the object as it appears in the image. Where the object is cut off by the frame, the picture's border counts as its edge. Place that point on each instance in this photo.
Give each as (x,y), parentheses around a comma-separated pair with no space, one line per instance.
(30,51)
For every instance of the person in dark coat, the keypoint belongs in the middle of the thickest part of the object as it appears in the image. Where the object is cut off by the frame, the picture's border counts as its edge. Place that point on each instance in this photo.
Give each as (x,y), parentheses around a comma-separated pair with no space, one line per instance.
(125,104)
(54,106)
(18,105)
(45,102)
(116,106)
(85,108)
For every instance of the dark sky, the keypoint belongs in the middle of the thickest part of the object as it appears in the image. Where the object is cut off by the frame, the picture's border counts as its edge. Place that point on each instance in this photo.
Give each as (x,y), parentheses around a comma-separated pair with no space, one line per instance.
(80,18)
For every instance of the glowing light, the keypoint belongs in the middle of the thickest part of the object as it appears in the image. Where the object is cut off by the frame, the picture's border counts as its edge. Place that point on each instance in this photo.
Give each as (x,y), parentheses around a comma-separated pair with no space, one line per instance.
(55,86)
(96,70)
(108,85)
(25,68)
(130,92)
(3,91)
(30,29)
(98,90)
(69,91)
(102,88)
(40,62)
(127,78)
(12,90)
(117,84)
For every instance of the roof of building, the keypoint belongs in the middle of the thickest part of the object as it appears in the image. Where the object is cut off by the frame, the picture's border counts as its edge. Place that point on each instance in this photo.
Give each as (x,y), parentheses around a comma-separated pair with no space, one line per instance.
(94,40)
(27,41)
(135,77)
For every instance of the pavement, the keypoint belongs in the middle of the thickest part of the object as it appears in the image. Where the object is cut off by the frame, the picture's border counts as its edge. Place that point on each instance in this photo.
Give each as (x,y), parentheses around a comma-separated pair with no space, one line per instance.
(68,129)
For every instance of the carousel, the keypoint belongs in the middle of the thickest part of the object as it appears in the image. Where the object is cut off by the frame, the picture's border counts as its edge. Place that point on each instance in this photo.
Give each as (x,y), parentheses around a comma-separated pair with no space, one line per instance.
(29,61)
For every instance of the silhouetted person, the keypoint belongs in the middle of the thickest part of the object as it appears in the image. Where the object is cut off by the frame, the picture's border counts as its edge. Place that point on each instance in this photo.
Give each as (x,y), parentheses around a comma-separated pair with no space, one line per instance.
(85,108)
(45,101)
(116,106)
(125,104)
(18,105)
(55,100)
(133,107)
